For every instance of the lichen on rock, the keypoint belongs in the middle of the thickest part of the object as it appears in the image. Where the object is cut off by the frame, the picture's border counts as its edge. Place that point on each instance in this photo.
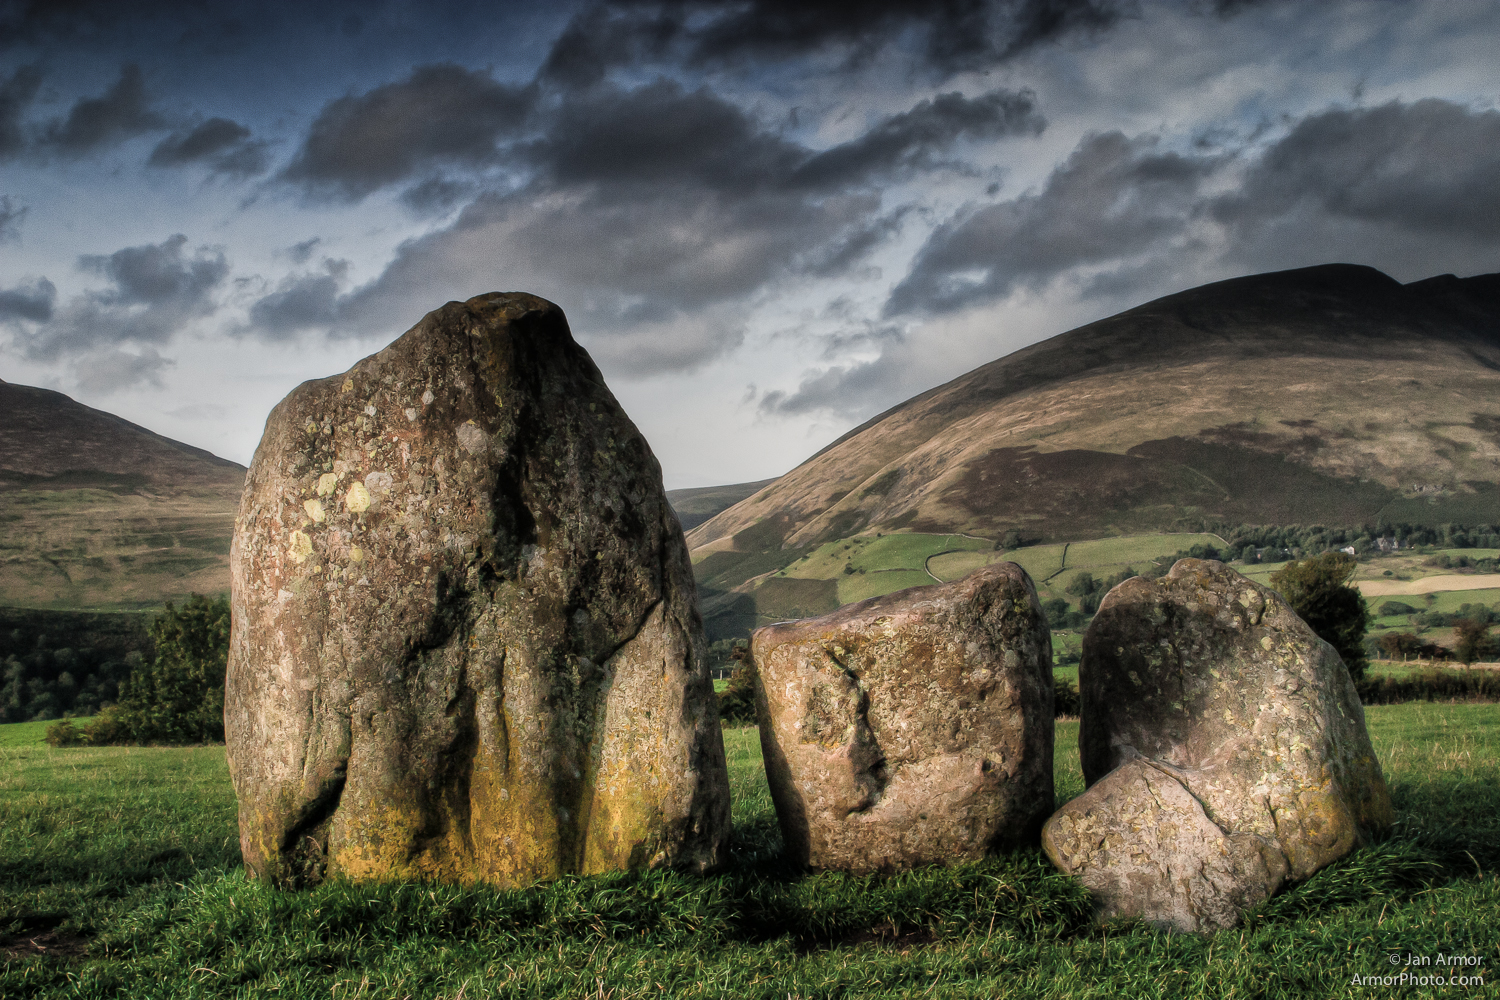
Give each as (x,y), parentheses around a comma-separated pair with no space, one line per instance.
(483,660)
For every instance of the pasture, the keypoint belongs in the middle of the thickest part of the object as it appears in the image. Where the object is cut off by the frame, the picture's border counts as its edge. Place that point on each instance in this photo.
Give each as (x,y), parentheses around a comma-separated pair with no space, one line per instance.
(120,876)
(865,566)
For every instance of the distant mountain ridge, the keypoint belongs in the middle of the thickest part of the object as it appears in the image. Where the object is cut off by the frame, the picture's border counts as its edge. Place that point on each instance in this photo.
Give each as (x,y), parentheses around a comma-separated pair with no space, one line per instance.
(697,504)
(99,513)
(48,434)
(1329,394)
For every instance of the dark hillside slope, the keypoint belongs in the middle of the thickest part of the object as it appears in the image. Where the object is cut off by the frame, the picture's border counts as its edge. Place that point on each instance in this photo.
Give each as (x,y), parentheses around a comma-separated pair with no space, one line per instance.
(48,434)
(99,513)
(1327,394)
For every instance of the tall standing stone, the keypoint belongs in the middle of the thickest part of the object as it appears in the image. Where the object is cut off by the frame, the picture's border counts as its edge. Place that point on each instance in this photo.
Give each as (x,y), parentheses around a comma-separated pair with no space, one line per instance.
(1209,680)
(465,644)
(910,729)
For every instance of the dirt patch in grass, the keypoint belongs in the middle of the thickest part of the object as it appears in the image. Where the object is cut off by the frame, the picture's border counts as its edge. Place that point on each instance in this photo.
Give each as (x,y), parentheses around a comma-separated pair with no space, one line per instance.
(41,934)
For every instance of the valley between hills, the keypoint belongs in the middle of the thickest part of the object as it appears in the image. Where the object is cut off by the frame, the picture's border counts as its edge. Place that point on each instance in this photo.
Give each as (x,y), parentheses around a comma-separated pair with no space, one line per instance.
(1328,395)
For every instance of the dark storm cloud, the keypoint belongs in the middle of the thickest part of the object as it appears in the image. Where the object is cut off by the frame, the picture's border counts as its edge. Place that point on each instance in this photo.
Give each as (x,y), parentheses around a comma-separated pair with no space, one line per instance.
(29,302)
(301,253)
(16,94)
(843,254)
(908,141)
(159,274)
(660,135)
(33,21)
(436,194)
(224,146)
(1431,166)
(1112,198)
(11,215)
(154,290)
(122,112)
(301,302)
(441,114)
(844,389)
(655,203)
(954,34)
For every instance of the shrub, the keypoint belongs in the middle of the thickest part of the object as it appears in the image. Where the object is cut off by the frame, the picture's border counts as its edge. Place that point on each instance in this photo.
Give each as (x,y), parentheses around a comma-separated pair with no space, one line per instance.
(1472,639)
(1065,699)
(1318,590)
(1407,645)
(1059,616)
(1395,608)
(737,701)
(108,728)
(64,734)
(178,695)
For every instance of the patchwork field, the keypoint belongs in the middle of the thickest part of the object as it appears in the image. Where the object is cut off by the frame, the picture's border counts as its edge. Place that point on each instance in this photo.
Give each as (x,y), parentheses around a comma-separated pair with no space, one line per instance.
(120,876)
(871,565)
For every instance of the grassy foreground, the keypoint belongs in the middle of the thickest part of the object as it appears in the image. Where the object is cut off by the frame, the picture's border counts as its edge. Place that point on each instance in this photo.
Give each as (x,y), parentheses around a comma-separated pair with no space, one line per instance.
(120,876)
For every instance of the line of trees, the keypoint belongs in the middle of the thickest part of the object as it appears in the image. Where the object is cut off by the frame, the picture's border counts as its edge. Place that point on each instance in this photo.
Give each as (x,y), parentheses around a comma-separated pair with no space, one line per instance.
(1300,540)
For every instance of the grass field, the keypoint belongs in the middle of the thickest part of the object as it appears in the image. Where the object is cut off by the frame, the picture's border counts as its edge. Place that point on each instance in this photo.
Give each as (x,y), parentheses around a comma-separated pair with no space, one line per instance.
(867,566)
(123,864)
(876,553)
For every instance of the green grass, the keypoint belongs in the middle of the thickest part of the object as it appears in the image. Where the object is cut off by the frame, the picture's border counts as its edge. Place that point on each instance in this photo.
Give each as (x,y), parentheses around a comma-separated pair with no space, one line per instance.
(865,566)
(879,553)
(863,586)
(24,734)
(1113,554)
(1447,600)
(129,857)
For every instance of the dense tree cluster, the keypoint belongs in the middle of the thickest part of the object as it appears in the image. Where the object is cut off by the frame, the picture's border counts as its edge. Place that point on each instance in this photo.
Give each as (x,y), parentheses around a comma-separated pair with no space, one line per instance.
(1090,590)
(43,682)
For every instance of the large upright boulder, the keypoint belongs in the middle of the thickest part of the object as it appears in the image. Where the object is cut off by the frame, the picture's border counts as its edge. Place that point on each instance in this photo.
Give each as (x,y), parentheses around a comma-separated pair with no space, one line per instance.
(465,644)
(1209,680)
(910,729)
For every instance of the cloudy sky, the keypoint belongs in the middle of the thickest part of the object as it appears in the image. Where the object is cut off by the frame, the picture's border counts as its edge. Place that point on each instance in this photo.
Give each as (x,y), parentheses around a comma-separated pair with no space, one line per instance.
(766,219)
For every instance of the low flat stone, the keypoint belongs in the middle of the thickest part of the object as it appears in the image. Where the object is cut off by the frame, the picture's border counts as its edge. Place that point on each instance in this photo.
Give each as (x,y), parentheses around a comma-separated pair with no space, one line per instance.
(1142,845)
(910,729)
(465,642)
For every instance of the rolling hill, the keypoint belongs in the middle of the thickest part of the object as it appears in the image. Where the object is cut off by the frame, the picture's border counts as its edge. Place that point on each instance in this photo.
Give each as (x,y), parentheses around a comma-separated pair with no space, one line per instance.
(1329,394)
(695,505)
(100,514)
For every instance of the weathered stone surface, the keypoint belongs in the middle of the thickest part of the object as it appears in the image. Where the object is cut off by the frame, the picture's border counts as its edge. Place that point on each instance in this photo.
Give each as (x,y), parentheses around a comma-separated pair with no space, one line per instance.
(464,642)
(1142,845)
(910,729)
(1213,679)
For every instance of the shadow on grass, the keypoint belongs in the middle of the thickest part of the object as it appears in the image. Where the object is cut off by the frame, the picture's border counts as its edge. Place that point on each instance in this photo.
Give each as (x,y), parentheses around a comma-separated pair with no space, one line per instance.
(115,872)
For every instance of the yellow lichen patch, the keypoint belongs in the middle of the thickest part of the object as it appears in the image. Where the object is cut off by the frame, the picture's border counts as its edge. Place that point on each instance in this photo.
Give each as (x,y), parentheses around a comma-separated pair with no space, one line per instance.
(314,508)
(348,385)
(356,554)
(327,483)
(300,547)
(358,498)
(312,428)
